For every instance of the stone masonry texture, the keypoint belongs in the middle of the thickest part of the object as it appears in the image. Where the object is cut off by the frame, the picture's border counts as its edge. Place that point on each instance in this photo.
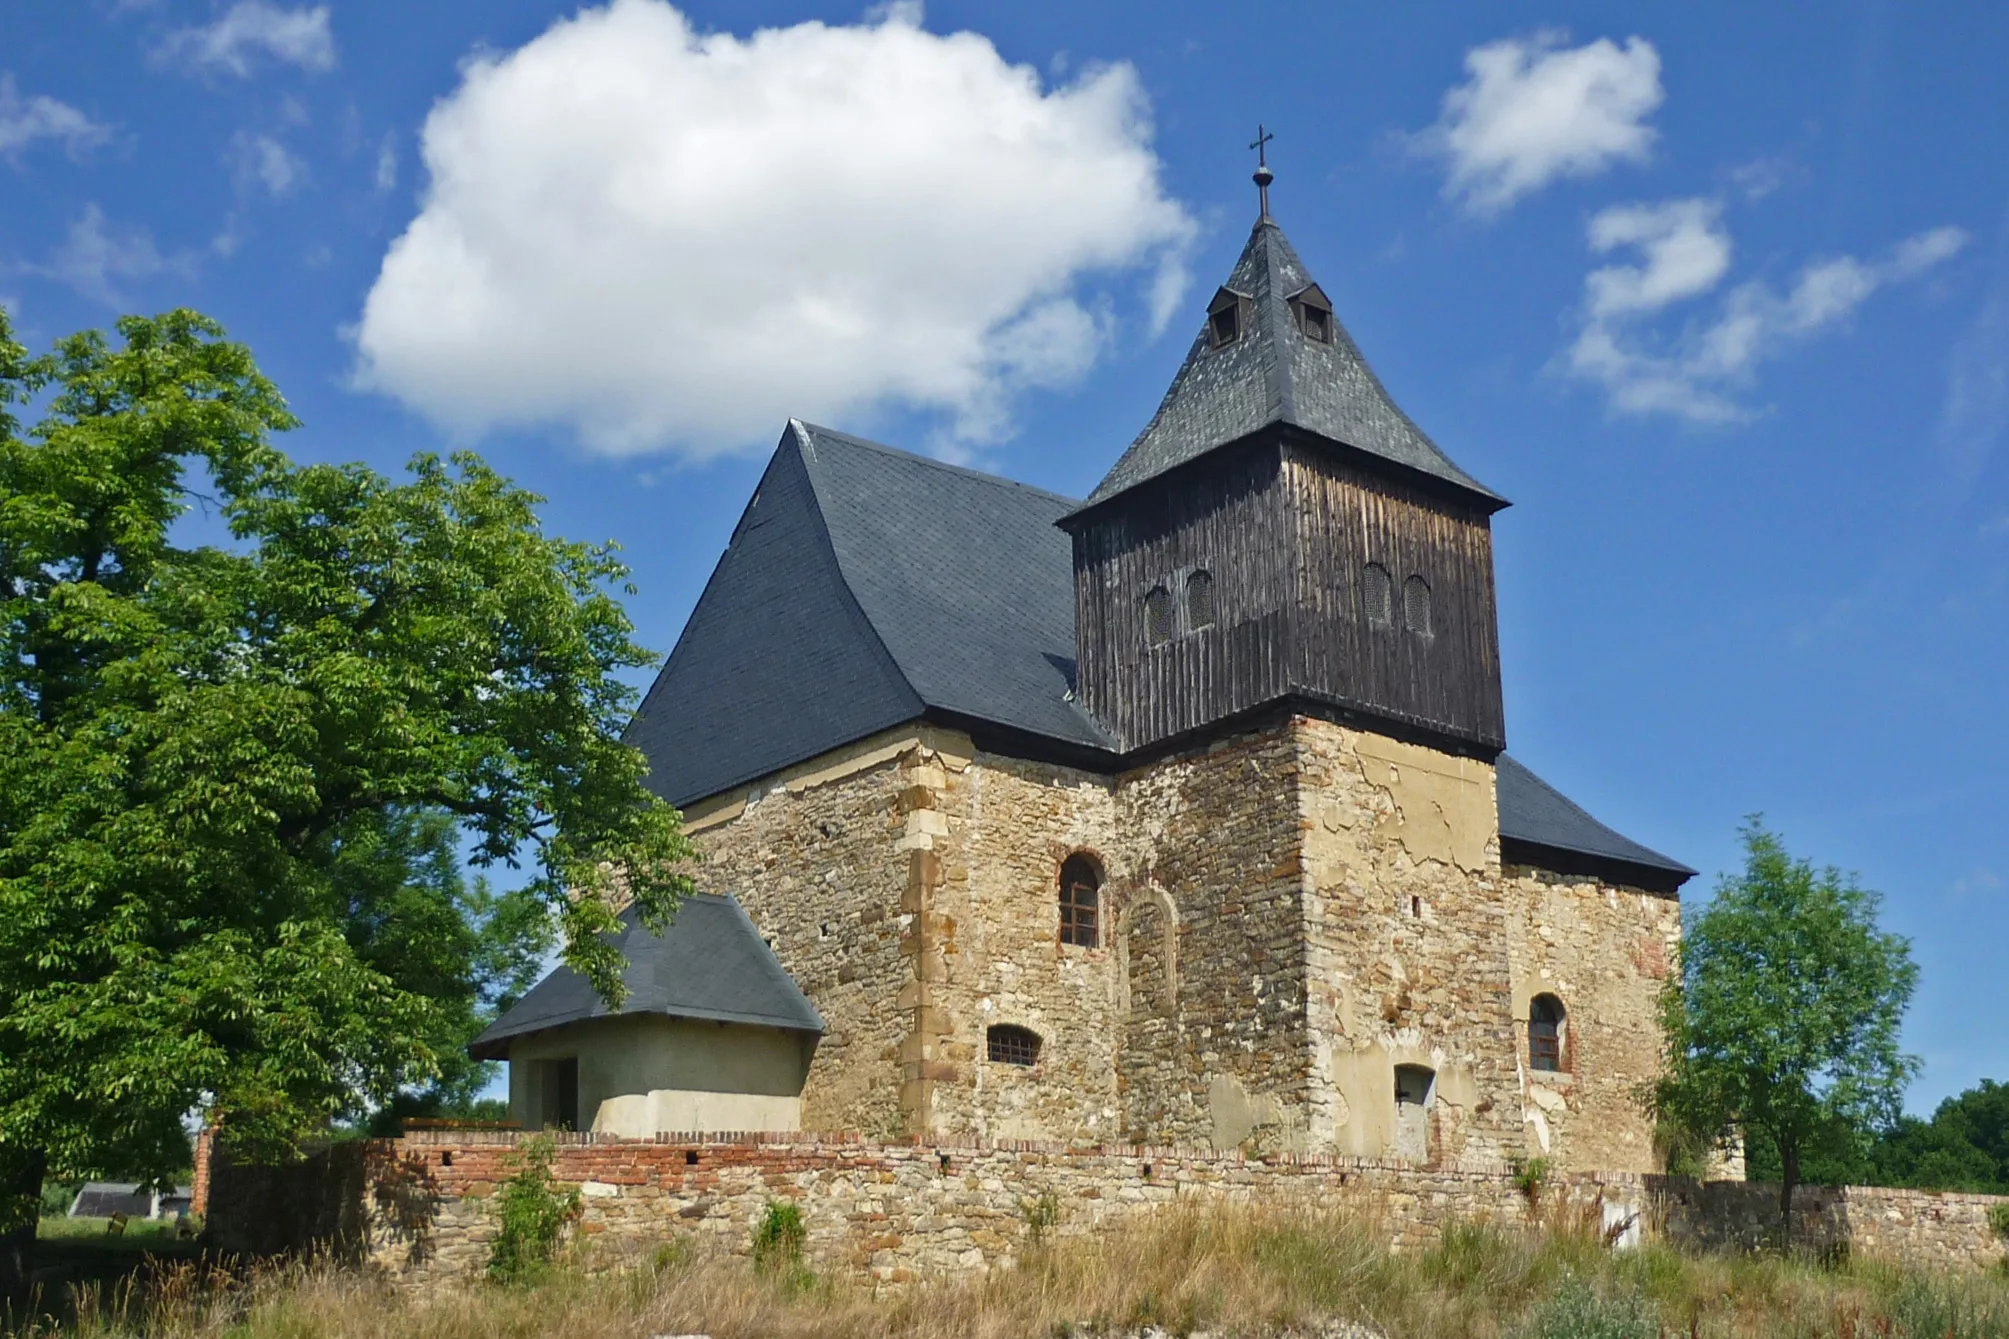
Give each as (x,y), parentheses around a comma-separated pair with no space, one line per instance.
(1287,915)
(420,1208)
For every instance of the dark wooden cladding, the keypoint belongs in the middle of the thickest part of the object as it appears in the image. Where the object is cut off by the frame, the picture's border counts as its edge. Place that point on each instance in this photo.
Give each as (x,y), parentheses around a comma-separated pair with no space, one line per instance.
(1347,518)
(1286,531)
(1226,517)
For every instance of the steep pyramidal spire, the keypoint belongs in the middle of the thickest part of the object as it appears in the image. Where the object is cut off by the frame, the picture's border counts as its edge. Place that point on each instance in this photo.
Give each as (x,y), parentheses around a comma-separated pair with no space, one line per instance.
(1273,352)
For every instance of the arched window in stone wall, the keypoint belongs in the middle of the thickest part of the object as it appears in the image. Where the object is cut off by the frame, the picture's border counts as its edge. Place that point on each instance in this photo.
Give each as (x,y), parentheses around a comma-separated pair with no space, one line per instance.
(1080,901)
(1546,1020)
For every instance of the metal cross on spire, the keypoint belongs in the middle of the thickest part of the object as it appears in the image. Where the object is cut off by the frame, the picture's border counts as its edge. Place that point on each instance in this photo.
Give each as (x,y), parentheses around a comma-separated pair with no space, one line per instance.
(1263,174)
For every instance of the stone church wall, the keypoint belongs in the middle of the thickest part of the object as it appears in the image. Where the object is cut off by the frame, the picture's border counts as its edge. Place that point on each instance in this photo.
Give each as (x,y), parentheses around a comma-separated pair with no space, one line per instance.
(812,854)
(1406,925)
(1216,1052)
(1287,915)
(1605,952)
(1009,826)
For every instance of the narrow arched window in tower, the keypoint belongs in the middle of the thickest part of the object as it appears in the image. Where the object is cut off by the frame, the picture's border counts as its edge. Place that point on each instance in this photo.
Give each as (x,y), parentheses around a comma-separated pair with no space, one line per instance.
(1009,1044)
(1545,1033)
(1377,589)
(1416,606)
(1158,616)
(1080,901)
(1200,600)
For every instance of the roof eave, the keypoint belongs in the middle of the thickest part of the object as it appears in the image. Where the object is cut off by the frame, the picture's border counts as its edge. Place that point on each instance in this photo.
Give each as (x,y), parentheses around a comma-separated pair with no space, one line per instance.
(1474,494)
(497,1048)
(1665,880)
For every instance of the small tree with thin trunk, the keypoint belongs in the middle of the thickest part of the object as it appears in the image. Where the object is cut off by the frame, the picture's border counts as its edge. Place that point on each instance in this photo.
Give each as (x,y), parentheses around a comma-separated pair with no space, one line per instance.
(1783,1021)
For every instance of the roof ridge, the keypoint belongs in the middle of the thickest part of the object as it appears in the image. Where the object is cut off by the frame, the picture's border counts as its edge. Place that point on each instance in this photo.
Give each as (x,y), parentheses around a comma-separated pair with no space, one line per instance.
(1281,383)
(805,450)
(984,476)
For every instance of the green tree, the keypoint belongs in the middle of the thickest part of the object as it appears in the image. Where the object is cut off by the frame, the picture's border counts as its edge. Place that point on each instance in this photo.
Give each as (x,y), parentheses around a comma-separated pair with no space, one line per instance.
(1783,1021)
(413,916)
(224,768)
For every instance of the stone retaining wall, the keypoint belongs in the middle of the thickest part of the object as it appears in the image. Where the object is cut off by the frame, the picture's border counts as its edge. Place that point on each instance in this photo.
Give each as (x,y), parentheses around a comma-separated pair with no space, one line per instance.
(419,1206)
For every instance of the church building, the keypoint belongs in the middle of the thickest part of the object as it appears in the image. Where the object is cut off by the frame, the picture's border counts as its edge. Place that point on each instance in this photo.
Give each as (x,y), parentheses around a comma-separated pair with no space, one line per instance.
(1174,815)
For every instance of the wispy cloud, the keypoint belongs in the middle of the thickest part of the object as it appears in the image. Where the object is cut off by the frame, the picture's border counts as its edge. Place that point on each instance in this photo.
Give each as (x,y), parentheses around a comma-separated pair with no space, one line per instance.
(387,163)
(1684,252)
(251,31)
(1975,414)
(27,121)
(264,160)
(1534,110)
(98,258)
(1761,176)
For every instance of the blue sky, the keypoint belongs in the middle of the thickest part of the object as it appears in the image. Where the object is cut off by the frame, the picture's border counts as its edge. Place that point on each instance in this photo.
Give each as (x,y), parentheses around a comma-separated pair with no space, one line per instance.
(1717,294)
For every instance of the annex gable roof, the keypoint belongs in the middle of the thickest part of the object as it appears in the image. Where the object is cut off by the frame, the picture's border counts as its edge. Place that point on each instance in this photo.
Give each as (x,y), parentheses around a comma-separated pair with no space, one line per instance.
(710,963)
(1273,373)
(866,587)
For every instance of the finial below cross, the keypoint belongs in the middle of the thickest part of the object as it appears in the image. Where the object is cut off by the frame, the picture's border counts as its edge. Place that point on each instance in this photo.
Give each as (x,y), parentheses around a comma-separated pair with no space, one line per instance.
(1263,174)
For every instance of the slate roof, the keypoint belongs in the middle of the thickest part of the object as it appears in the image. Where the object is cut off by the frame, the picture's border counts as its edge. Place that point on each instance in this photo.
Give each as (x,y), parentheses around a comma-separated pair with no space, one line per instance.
(865,587)
(1536,814)
(1273,374)
(711,963)
(861,586)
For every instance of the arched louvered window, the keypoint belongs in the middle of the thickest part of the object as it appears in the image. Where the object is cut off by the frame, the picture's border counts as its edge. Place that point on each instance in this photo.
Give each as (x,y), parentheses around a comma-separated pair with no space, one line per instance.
(1080,902)
(1009,1044)
(1377,589)
(1545,1033)
(1200,600)
(1416,606)
(1158,616)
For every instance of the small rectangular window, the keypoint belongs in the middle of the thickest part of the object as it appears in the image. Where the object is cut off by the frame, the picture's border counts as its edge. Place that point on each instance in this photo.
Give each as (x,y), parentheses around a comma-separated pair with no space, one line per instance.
(1226,325)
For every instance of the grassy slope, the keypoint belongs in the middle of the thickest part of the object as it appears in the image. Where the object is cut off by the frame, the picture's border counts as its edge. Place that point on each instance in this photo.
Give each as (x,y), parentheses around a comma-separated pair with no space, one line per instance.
(1229,1272)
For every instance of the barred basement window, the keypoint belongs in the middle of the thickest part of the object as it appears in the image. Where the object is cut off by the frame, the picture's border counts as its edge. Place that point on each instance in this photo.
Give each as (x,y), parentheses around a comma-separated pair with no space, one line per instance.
(1158,616)
(1080,898)
(1416,606)
(1378,590)
(1200,600)
(1008,1044)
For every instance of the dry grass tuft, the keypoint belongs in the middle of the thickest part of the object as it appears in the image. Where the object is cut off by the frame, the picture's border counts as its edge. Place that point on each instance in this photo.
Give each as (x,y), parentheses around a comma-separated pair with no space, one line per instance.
(1243,1271)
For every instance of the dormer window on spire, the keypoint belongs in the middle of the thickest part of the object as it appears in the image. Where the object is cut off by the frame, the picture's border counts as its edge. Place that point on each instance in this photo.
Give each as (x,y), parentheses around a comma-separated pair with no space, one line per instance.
(1313,314)
(1225,317)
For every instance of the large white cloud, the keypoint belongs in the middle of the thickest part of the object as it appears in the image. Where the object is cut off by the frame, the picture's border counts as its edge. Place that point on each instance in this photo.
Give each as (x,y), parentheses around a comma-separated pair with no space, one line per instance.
(662,238)
(1702,371)
(1534,110)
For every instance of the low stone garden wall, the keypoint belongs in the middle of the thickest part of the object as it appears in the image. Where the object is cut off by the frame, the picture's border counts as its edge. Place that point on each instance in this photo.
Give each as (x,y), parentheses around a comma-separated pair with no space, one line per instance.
(419,1206)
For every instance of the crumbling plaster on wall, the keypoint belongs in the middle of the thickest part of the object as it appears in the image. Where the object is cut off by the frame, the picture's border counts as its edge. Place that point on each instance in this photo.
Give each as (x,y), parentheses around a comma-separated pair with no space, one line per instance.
(1404,928)
(1605,952)
(1319,904)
